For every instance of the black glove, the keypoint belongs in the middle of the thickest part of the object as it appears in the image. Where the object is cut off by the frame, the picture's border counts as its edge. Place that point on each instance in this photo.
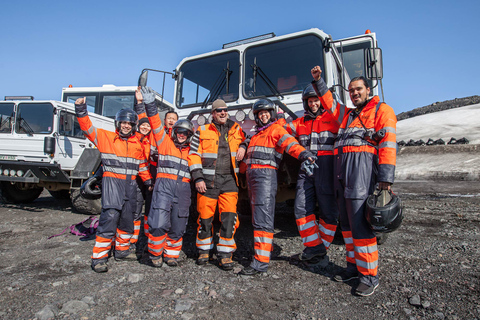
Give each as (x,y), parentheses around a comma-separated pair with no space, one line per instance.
(308,166)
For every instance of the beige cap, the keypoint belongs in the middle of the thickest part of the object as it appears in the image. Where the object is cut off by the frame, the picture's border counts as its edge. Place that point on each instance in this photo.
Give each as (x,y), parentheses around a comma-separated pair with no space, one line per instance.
(218,104)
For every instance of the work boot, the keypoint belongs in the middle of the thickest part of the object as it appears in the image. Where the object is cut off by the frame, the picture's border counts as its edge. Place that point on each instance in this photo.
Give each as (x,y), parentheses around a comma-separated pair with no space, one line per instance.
(171,262)
(226,263)
(131,256)
(345,276)
(249,271)
(203,257)
(306,256)
(364,290)
(157,263)
(100,267)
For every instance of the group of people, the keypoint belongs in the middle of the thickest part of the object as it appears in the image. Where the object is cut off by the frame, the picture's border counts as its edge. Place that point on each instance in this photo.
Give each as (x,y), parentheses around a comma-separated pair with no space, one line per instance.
(341,163)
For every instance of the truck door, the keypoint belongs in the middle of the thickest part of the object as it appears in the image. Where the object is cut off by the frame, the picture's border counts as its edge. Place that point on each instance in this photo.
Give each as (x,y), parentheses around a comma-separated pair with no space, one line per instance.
(354,52)
(71,141)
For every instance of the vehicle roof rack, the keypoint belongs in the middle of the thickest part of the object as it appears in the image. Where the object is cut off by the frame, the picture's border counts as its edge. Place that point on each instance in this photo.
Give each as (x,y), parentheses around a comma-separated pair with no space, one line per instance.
(19,98)
(248,40)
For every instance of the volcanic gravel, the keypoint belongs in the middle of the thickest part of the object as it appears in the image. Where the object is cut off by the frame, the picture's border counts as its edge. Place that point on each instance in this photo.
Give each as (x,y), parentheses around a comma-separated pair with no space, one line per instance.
(429,269)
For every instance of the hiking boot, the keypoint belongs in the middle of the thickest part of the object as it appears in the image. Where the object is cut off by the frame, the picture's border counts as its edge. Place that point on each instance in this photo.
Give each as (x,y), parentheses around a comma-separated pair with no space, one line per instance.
(132,256)
(171,262)
(249,271)
(157,263)
(100,267)
(345,276)
(226,263)
(364,290)
(203,259)
(306,256)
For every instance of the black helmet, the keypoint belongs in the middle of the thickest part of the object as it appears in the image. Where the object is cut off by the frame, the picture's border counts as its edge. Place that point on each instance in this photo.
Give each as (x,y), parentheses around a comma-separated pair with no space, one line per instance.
(92,188)
(182,126)
(127,115)
(387,217)
(264,104)
(308,92)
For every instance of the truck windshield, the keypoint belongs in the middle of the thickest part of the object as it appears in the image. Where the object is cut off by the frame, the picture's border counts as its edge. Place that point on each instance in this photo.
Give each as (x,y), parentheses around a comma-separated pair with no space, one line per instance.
(34,118)
(354,58)
(286,63)
(211,77)
(6,117)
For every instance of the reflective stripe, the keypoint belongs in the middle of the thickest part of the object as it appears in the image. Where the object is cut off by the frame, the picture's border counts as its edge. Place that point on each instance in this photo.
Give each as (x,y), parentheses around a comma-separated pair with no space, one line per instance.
(390,129)
(366,265)
(102,244)
(195,153)
(293,143)
(350,254)
(174,171)
(205,247)
(204,241)
(195,166)
(225,249)
(310,238)
(120,170)
(327,231)
(174,245)
(307,225)
(236,170)
(226,242)
(156,242)
(388,144)
(233,154)
(110,156)
(262,253)
(282,139)
(263,240)
(348,240)
(100,254)
(208,171)
(366,249)
(209,156)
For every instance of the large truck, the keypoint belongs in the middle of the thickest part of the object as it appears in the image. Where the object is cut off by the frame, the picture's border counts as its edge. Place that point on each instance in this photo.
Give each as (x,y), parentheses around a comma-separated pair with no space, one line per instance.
(276,67)
(44,147)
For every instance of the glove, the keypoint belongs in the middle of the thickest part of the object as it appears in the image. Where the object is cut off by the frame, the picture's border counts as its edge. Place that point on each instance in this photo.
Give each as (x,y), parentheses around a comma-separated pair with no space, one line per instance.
(309,167)
(148,95)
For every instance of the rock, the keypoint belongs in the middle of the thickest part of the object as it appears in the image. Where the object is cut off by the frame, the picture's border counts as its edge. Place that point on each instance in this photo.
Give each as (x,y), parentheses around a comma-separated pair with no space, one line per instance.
(89,300)
(183,305)
(212,294)
(179,291)
(439,315)
(57,283)
(426,304)
(74,306)
(407,311)
(48,312)
(415,301)
(230,295)
(187,316)
(134,277)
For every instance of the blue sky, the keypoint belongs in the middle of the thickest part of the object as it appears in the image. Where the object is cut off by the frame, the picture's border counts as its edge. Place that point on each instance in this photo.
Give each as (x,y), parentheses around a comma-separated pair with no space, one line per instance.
(430,48)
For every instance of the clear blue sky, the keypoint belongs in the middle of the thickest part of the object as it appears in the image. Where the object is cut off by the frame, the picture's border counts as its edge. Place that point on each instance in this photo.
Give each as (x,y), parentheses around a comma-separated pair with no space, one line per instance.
(430,48)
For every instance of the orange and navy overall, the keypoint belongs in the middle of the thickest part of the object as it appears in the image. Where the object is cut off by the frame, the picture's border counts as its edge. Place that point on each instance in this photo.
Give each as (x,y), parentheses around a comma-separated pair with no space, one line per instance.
(264,154)
(360,162)
(316,135)
(212,159)
(122,159)
(168,216)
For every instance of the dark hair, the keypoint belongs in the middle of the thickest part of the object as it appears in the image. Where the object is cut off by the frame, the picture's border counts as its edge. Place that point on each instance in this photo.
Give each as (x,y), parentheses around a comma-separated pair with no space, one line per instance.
(166,114)
(362,78)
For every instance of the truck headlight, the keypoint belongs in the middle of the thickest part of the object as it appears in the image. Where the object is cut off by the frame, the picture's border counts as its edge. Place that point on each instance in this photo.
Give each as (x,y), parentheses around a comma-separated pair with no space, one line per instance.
(240,115)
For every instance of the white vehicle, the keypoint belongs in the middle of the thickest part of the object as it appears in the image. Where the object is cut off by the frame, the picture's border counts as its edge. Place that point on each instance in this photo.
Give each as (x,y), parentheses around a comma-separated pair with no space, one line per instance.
(277,68)
(44,147)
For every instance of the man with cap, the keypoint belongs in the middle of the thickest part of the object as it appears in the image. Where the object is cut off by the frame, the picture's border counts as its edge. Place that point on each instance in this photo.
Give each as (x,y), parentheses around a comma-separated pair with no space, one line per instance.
(214,155)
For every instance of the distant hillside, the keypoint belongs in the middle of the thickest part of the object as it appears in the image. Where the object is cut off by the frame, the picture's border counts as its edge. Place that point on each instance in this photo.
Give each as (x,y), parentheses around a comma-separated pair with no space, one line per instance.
(439,106)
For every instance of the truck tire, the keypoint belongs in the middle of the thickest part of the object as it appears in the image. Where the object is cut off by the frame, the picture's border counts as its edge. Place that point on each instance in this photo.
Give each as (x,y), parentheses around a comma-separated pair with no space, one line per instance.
(60,194)
(85,206)
(18,193)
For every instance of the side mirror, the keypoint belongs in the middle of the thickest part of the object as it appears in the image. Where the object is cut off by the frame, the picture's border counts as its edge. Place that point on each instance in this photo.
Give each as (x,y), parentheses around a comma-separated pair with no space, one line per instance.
(142,80)
(374,64)
(49,145)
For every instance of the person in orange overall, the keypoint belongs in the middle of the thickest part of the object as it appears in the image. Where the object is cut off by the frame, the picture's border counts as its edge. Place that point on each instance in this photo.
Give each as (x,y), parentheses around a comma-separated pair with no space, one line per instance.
(364,156)
(123,159)
(214,155)
(316,132)
(168,216)
(264,154)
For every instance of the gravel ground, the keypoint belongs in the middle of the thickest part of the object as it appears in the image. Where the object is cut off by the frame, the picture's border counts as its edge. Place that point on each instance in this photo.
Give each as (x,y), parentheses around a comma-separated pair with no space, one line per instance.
(428,269)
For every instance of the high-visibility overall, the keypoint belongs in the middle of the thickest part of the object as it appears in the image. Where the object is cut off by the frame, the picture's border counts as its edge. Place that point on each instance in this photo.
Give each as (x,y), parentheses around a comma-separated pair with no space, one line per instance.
(318,136)
(122,160)
(264,154)
(212,159)
(168,216)
(360,162)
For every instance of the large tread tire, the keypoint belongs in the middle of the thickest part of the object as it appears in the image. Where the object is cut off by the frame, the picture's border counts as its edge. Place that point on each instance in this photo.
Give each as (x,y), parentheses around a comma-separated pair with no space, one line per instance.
(85,206)
(15,193)
(60,194)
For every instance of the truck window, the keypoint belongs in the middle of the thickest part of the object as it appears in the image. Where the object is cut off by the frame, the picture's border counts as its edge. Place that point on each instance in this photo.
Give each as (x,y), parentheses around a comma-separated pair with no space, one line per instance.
(69,126)
(113,103)
(34,118)
(285,63)
(216,75)
(6,117)
(91,100)
(354,58)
